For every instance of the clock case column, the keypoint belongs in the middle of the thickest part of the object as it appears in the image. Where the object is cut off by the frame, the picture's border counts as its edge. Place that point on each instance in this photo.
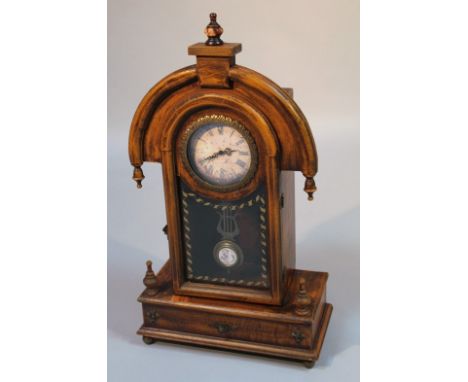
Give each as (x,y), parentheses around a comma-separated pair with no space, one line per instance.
(215,95)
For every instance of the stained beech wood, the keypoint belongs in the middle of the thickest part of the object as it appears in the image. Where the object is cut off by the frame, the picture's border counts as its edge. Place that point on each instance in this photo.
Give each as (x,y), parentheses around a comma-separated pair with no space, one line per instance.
(288,224)
(292,131)
(226,50)
(287,319)
(255,328)
(282,136)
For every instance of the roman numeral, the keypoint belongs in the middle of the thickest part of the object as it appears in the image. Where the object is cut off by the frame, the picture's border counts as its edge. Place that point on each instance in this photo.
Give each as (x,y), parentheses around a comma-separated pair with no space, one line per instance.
(241,163)
(209,170)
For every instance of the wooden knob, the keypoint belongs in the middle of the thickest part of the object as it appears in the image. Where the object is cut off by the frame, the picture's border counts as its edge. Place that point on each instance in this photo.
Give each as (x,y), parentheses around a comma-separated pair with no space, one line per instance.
(213,31)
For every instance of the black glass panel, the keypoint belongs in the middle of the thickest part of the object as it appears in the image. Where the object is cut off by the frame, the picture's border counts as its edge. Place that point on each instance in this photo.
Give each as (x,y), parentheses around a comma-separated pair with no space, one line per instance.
(225,242)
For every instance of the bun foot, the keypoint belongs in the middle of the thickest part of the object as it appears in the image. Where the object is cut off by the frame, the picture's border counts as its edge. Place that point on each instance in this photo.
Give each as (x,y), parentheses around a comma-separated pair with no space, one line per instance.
(148,340)
(309,364)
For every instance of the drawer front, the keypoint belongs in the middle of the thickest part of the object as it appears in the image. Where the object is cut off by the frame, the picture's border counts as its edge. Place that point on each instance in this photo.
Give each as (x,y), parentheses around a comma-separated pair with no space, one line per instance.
(241,328)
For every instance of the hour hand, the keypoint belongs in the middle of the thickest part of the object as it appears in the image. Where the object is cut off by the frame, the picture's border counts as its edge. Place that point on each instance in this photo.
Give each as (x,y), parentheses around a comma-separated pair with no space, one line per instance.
(226,151)
(212,156)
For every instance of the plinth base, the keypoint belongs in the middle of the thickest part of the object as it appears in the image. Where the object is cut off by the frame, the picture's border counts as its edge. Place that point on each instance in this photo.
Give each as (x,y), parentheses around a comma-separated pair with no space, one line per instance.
(252,328)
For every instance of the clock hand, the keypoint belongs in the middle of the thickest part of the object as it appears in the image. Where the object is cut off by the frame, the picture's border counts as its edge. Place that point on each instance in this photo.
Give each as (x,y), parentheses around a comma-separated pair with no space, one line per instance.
(227,151)
(213,156)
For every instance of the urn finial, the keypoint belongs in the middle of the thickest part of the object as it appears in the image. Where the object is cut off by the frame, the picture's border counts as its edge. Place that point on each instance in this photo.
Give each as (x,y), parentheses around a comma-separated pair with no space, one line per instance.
(150,279)
(213,31)
(303,300)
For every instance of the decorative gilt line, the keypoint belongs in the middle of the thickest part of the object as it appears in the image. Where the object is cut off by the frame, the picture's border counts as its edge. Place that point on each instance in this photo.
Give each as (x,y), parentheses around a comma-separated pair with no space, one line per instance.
(263,227)
(188,246)
(248,203)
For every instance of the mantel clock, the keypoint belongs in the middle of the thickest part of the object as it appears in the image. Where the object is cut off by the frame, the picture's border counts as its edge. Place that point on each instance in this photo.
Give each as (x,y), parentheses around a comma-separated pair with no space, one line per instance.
(229,141)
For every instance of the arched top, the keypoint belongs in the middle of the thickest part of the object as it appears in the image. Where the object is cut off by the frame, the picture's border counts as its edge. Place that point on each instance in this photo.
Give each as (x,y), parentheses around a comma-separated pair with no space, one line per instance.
(296,145)
(148,106)
(295,127)
(204,101)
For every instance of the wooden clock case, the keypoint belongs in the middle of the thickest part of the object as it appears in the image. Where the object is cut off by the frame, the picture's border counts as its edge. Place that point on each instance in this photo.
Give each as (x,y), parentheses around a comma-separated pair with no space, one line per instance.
(290,317)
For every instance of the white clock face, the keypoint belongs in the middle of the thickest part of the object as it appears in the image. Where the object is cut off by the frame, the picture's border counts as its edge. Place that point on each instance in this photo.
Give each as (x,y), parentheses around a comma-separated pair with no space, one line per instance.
(220,154)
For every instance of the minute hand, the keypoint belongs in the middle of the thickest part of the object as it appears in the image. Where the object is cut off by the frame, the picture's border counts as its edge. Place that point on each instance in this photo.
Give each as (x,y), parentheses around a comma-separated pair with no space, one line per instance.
(227,151)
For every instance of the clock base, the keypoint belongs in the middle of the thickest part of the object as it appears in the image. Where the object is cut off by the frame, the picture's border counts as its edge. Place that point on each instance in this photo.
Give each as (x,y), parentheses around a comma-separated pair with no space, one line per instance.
(295,330)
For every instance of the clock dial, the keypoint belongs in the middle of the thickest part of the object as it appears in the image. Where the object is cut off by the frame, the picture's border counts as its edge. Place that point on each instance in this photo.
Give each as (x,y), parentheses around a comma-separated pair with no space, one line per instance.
(227,257)
(228,254)
(220,153)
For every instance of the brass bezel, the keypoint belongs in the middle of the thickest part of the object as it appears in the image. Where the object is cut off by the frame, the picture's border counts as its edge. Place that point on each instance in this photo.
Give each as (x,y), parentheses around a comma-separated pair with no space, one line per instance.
(216,118)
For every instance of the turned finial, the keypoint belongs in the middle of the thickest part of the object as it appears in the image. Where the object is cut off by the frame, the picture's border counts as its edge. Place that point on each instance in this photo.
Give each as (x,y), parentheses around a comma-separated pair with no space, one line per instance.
(149,266)
(138,176)
(150,280)
(303,300)
(309,187)
(213,31)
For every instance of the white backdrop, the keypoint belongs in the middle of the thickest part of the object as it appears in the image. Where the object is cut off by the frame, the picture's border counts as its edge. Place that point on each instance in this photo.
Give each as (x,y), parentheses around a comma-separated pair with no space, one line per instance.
(311,46)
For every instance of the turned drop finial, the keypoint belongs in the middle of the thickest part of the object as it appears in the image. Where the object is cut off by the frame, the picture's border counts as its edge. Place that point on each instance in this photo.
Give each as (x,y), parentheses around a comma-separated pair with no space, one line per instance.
(303,300)
(138,176)
(213,31)
(309,187)
(150,280)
